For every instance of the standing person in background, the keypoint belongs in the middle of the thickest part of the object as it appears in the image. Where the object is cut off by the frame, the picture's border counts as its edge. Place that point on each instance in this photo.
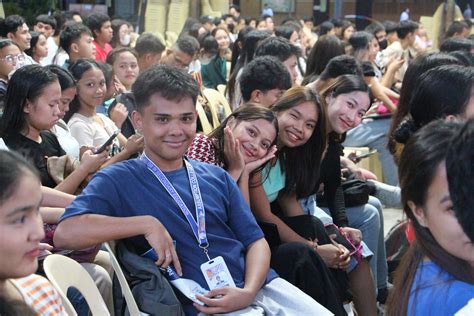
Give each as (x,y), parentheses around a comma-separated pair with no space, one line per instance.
(267,10)
(405,16)
(101,28)
(14,28)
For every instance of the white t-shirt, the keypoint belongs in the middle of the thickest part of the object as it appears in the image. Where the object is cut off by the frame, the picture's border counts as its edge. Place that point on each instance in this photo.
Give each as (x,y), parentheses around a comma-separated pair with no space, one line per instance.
(52,49)
(89,131)
(66,140)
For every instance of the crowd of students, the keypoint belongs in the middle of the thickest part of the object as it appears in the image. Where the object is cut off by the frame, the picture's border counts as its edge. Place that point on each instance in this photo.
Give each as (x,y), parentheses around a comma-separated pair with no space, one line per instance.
(101,141)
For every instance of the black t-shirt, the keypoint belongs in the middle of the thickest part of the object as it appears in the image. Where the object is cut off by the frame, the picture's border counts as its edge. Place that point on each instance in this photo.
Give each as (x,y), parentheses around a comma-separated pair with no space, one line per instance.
(37,153)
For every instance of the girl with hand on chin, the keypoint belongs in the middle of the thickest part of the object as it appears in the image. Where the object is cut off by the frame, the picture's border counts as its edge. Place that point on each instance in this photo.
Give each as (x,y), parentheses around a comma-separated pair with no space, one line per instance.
(242,144)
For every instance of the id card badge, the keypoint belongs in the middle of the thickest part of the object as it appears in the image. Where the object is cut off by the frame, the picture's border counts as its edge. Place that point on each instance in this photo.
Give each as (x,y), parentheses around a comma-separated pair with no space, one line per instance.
(216,273)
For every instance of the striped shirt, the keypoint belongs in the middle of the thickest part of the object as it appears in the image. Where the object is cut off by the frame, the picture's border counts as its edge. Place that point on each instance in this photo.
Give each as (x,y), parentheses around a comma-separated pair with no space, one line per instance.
(40,295)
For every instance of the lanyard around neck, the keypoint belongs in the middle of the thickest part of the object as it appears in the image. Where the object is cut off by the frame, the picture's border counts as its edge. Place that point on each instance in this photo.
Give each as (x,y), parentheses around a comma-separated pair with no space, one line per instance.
(198,226)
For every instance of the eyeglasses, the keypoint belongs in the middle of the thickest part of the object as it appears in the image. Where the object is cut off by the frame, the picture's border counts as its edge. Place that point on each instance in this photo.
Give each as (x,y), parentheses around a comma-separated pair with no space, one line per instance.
(11,58)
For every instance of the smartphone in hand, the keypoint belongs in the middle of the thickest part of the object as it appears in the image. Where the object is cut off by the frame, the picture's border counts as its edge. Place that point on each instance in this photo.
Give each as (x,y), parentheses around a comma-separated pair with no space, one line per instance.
(108,142)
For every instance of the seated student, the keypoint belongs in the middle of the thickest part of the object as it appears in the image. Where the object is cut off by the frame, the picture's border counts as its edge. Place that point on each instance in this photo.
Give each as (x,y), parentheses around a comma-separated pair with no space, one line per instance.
(436,276)
(282,49)
(68,92)
(92,129)
(46,25)
(10,54)
(264,80)
(124,65)
(149,49)
(214,72)
(124,71)
(101,29)
(302,138)
(76,40)
(22,230)
(38,49)
(460,171)
(182,53)
(242,144)
(121,202)
(14,27)
(337,66)
(31,110)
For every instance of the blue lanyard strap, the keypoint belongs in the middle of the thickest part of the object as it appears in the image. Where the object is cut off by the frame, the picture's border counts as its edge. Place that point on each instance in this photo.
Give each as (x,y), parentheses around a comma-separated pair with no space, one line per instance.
(199,225)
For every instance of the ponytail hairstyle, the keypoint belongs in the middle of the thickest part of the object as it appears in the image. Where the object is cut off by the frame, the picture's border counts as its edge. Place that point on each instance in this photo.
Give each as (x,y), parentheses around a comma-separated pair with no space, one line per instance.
(246,113)
(301,164)
(423,154)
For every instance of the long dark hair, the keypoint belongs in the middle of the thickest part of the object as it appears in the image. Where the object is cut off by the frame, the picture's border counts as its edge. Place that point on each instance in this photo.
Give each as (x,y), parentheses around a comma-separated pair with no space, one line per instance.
(65,78)
(250,42)
(247,112)
(77,69)
(420,159)
(327,47)
(301,164)
(27,83)
(416,68)
(12,168)
(441,91)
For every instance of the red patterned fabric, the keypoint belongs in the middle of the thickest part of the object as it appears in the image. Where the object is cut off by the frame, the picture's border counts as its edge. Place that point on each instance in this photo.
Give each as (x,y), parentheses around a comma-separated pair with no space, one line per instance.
(202,149)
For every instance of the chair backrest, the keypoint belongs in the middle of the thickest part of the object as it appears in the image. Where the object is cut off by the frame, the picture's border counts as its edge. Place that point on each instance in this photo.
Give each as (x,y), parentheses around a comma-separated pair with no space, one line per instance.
(126,291)
(219,105)
(65,273)
(206,126)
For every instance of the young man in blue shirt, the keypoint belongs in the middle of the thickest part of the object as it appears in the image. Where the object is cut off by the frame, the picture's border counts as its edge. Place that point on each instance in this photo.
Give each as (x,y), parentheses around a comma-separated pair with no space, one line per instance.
(132,200)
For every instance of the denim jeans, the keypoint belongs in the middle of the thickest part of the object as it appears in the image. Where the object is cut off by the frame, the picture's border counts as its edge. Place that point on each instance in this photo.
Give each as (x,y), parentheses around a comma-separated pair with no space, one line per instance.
(374,134)
(368,219)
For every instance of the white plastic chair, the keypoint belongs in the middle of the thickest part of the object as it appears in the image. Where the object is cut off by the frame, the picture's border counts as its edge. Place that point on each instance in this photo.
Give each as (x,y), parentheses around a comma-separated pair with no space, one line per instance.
(126,291)
(65,273)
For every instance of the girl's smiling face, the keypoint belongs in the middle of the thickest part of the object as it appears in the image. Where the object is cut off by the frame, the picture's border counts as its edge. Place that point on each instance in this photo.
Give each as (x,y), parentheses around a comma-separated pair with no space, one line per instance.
(345,111)
(255,137)
(297,124)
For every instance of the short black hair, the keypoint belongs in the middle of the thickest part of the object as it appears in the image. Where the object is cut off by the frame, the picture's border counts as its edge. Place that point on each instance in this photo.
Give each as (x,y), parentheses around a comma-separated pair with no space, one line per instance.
(460,172)
(46,19)
(374,28)
(276,46)
(169,82)
(95,21)
(149,43)
(341,65)
(10,24)
(456,27)
(235,7)
(71,33)
(390,26)
(453,44)
(187,44)
(264,73)
(325,27)
(405,28)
